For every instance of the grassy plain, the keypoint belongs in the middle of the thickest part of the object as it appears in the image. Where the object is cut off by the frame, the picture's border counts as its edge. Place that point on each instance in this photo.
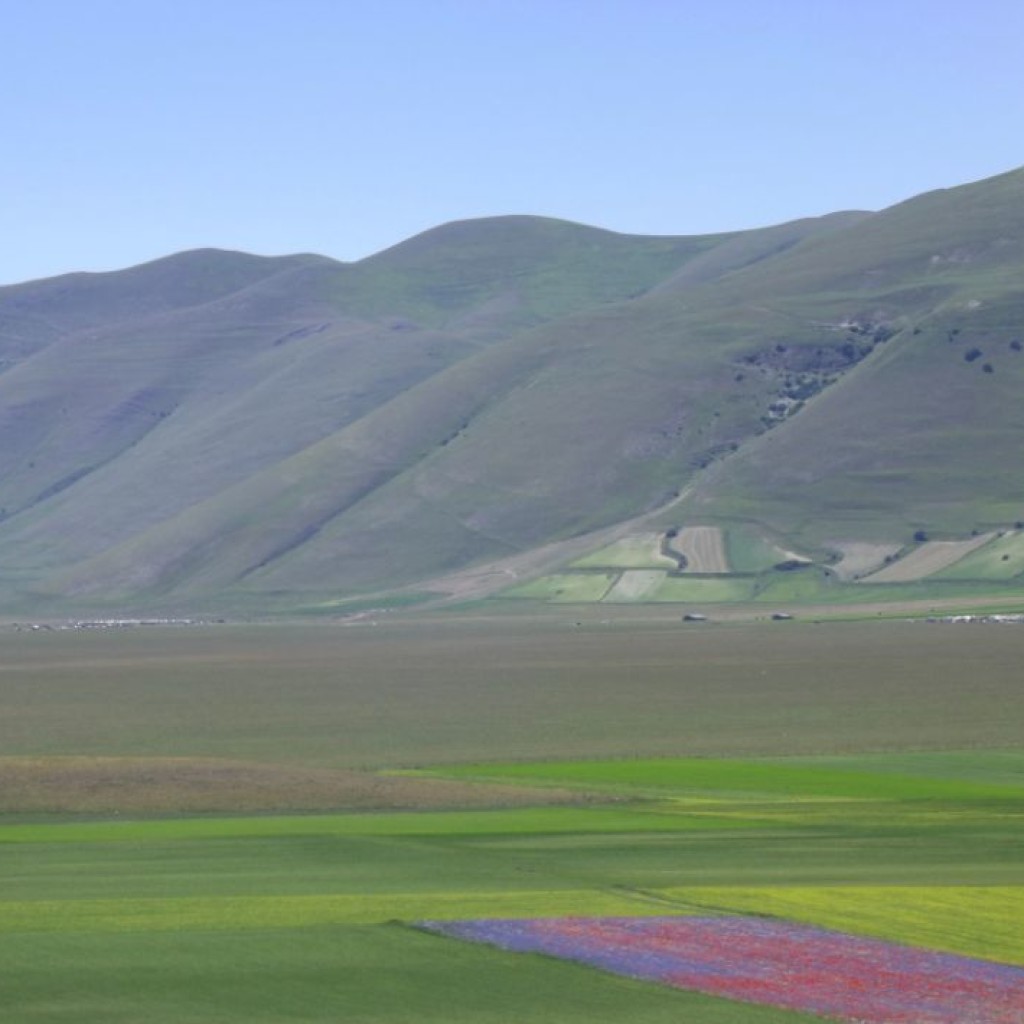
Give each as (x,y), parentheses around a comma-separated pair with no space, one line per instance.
(325,974)
(574,683)
(908,781)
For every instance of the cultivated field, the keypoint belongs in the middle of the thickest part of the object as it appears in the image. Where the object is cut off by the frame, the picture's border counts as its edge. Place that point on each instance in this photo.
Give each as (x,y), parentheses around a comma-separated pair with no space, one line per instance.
(154,785)
(770,962)
(1002,559)
(636,585)
(749,550)
(857,558)
(568,587)
(642,551)
(704,548)
(670,754)
(930,558)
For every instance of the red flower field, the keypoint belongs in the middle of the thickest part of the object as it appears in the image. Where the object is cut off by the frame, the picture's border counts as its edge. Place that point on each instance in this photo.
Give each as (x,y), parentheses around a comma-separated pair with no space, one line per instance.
(792,966)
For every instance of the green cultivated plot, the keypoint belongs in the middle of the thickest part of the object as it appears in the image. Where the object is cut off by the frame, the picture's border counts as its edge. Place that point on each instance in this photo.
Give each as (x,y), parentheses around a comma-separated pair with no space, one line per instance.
(636,585)
(999,767)
(567,587)
(1000,559)
(695,590)
(774,779)
(640,552)
(750,551)
(982,921)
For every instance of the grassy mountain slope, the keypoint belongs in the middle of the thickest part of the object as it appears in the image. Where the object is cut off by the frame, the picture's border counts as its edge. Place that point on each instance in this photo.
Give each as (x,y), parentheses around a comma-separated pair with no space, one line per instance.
(276,431)
(829,347)
(558,429)
(511,271)
(215,379)
(923,434)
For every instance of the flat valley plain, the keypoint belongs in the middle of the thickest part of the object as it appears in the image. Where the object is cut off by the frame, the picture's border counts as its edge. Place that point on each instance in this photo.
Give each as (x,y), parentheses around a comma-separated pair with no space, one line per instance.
(245,822)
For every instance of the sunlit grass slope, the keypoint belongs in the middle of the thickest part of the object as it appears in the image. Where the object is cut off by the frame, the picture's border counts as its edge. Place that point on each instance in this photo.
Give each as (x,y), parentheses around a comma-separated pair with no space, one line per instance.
(921,434)
(221,430)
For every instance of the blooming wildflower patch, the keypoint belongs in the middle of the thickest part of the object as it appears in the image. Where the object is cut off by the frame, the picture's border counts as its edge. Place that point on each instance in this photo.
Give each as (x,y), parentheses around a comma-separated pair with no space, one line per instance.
(792,966)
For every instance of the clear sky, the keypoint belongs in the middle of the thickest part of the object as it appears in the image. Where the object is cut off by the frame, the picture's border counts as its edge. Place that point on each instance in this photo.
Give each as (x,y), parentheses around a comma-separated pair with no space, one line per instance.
(137,128)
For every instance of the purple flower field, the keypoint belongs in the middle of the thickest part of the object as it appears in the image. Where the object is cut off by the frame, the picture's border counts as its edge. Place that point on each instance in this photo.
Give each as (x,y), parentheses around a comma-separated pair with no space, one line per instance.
(792,966)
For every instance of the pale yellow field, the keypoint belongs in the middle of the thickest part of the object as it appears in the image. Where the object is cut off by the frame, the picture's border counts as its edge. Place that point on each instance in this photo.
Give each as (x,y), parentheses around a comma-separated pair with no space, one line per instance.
(984,921)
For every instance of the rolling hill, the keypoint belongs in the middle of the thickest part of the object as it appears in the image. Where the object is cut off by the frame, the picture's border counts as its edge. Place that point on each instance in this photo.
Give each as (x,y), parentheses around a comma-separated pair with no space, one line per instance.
(219,430)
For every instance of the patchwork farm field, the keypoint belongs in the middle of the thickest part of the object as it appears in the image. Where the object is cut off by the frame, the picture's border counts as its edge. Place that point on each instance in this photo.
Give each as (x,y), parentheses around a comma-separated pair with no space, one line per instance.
(736,571)
(930,558)
(839,777)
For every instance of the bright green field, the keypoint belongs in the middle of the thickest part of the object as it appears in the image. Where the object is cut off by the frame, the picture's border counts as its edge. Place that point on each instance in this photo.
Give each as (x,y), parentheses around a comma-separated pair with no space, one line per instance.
(749,550)
(982,921)
(566,587)
(639,552)
(324,975)
(700,591)
(961,587)
(855,779)
(1000,559)
(287,917)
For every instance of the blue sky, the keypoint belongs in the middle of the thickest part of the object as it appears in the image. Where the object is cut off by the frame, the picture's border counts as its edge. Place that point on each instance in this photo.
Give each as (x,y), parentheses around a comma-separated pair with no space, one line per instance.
(137,128)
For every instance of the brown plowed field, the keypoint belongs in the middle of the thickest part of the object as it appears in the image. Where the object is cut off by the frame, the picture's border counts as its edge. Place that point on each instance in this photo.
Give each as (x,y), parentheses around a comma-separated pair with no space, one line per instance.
(704,547)
(147,785)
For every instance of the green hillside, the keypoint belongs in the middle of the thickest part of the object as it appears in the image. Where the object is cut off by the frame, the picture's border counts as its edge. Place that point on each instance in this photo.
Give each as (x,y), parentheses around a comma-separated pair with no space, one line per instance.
(923,435)
(222,430)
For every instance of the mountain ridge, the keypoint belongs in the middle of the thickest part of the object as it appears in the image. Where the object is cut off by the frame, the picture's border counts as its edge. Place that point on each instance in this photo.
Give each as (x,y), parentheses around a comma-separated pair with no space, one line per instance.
(268,431)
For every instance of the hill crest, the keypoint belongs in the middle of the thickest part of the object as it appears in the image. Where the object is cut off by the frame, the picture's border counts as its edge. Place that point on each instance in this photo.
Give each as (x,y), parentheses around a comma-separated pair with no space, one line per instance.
(223,429)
